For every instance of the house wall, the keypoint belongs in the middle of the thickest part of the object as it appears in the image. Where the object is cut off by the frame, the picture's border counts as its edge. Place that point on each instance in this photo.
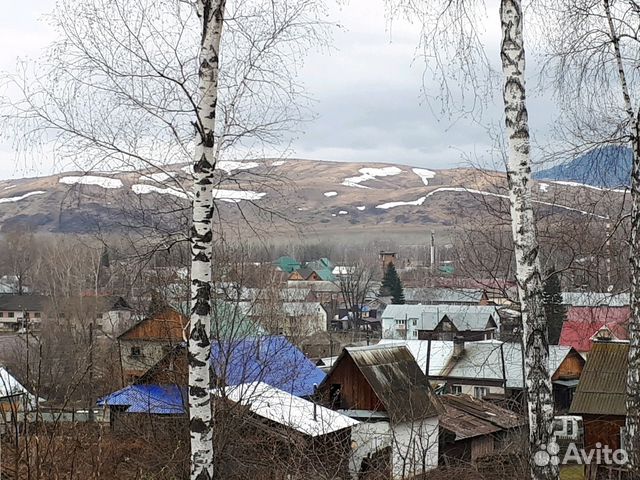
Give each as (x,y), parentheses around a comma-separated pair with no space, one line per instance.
(367,438)
(355,391)
(414,447)
(570,368)
(115,322)
(151,352)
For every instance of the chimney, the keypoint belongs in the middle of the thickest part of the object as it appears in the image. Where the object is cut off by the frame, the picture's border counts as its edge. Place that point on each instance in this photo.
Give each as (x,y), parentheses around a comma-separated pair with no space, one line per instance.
(458,346)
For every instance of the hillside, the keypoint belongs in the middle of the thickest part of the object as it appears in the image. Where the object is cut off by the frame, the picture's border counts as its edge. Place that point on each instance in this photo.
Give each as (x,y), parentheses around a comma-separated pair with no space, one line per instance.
(283,196)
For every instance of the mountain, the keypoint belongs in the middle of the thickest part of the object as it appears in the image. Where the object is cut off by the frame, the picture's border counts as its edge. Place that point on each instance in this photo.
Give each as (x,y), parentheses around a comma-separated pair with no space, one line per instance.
(605,167)
(282,198)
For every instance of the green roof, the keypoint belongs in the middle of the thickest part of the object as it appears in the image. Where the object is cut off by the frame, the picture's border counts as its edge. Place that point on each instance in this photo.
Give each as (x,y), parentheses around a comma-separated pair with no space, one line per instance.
(287,264)
(228,321)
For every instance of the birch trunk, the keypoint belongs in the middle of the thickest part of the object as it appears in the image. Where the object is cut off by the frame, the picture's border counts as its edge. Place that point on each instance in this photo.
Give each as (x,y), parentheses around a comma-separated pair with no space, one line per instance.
(210,13)
(534,332)
(632,422)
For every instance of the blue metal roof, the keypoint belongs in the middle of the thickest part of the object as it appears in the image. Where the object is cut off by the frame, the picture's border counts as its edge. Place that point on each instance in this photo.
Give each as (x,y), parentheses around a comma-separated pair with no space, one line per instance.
(156,399)
(269,359)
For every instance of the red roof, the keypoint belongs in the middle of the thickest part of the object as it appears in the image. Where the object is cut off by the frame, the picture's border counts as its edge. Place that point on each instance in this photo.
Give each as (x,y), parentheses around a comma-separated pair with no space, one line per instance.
(583,322)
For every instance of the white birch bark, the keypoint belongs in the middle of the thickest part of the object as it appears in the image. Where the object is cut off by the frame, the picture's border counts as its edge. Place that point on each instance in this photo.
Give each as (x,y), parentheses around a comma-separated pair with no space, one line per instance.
(534,332)
(632,422)
(210,13)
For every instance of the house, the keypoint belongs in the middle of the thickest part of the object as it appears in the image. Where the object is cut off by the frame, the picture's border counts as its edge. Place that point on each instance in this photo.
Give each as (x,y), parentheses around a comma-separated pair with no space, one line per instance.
(312,441)
(445,296)
(595,299)
(440,322)
(583,324)
(293,319)
(471,428)
(18,310)
(287,264)
(387,258)
(601,395)
(494,369)
(147,342)
(269,359)
(383,387)
(14,397)
(432,356)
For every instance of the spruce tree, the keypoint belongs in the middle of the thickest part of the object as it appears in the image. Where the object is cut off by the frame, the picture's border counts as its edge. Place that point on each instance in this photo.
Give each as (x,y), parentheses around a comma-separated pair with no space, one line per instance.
(554,309)
(392,285)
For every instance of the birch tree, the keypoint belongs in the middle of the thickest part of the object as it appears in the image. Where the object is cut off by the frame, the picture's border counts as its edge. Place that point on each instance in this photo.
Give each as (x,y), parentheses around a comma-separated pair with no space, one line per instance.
(452,39)
(592,56)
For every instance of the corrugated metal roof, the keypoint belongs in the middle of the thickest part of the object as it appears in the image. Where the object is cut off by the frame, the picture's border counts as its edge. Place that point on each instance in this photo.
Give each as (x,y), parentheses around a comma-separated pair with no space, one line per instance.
(396,379)
(269,359)
(288,410)
(441,352)
(594,299)
(469,417)
(602,387)
(150,399)
(464,317)
(443,295)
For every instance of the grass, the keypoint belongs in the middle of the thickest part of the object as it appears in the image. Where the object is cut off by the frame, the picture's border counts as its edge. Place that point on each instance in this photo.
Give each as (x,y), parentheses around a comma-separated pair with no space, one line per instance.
(572,472)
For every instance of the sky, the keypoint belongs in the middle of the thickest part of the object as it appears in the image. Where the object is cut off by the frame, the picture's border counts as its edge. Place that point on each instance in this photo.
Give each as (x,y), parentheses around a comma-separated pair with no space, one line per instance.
(369,102)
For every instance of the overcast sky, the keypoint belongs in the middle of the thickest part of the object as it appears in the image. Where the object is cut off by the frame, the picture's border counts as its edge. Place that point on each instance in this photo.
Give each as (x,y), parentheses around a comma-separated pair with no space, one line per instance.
(369,104)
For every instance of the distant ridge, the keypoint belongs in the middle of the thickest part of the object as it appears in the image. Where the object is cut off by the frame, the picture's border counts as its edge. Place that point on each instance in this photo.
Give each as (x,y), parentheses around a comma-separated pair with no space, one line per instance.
(606,167)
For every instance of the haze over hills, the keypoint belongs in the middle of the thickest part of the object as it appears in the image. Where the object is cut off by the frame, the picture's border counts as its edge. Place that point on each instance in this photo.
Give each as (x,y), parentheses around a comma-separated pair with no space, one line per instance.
(280,196)
(607,167)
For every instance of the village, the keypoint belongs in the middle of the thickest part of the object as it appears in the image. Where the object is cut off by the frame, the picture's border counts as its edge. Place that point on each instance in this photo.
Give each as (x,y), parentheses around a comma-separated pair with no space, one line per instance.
(404,382)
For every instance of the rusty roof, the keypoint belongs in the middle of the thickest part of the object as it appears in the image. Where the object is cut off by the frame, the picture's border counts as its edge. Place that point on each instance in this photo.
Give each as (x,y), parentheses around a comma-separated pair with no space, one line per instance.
(396,379)
(469,417)
(602,386)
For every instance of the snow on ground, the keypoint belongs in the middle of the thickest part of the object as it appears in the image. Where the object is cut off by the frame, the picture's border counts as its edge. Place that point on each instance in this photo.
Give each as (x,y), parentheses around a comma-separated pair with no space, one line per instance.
(543,187)
(9,187)
(333,215)
(343,212)
(584,185)
(330,194)
(370,174)
(424,174)
(104,182)
(421,200)
(230,166)
(278,163)
(142,189)
(21,197)
(361,208)
(236,196)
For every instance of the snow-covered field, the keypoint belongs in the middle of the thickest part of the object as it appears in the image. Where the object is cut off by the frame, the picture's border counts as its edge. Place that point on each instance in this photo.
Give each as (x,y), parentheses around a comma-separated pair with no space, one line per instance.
(424,174)
(104,182)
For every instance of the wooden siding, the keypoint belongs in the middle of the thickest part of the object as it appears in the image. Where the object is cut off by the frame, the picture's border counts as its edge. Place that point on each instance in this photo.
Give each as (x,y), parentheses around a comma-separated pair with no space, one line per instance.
(355,391)
(165,325)
(602,429)
(570,368)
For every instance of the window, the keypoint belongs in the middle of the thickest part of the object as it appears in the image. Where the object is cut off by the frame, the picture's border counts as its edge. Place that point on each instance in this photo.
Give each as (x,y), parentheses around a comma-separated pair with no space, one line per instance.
(401,323)
(480,392)
(415,323)
(415,333)
(456,389)
(36,315)
(11,314)
(136,352)
(1,314)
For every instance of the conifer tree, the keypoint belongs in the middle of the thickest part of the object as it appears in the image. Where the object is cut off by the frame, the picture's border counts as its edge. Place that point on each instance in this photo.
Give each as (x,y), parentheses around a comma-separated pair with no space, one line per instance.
(554,309)
(392,285)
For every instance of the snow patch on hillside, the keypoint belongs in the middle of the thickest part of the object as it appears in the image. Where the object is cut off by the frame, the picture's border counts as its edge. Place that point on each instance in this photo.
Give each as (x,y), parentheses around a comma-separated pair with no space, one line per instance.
(230,166)
(278,163)
(592,187)
(21,197)
(361,208)
(413,203)
(424,174)
(156,177)
(142,189)
(236,196)
(330,194)
(9,187)
(343,212)
(104,182)
(543,187)
(369,173)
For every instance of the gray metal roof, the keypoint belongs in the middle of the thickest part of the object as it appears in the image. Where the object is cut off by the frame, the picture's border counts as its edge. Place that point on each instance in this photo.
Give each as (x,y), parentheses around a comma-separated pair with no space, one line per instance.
(397,381)
(464,317)
(602,386)
(441,351)
(483,360)
(443,295)
(595,299)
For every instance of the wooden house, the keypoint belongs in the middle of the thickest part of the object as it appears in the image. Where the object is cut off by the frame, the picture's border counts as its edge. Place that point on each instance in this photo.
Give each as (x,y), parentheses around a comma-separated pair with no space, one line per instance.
(601,395)
(471,428)
(146,343)
(384,387)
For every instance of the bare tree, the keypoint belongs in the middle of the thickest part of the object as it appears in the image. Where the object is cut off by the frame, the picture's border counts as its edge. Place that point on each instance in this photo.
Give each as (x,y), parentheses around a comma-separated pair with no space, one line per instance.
(356,283)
